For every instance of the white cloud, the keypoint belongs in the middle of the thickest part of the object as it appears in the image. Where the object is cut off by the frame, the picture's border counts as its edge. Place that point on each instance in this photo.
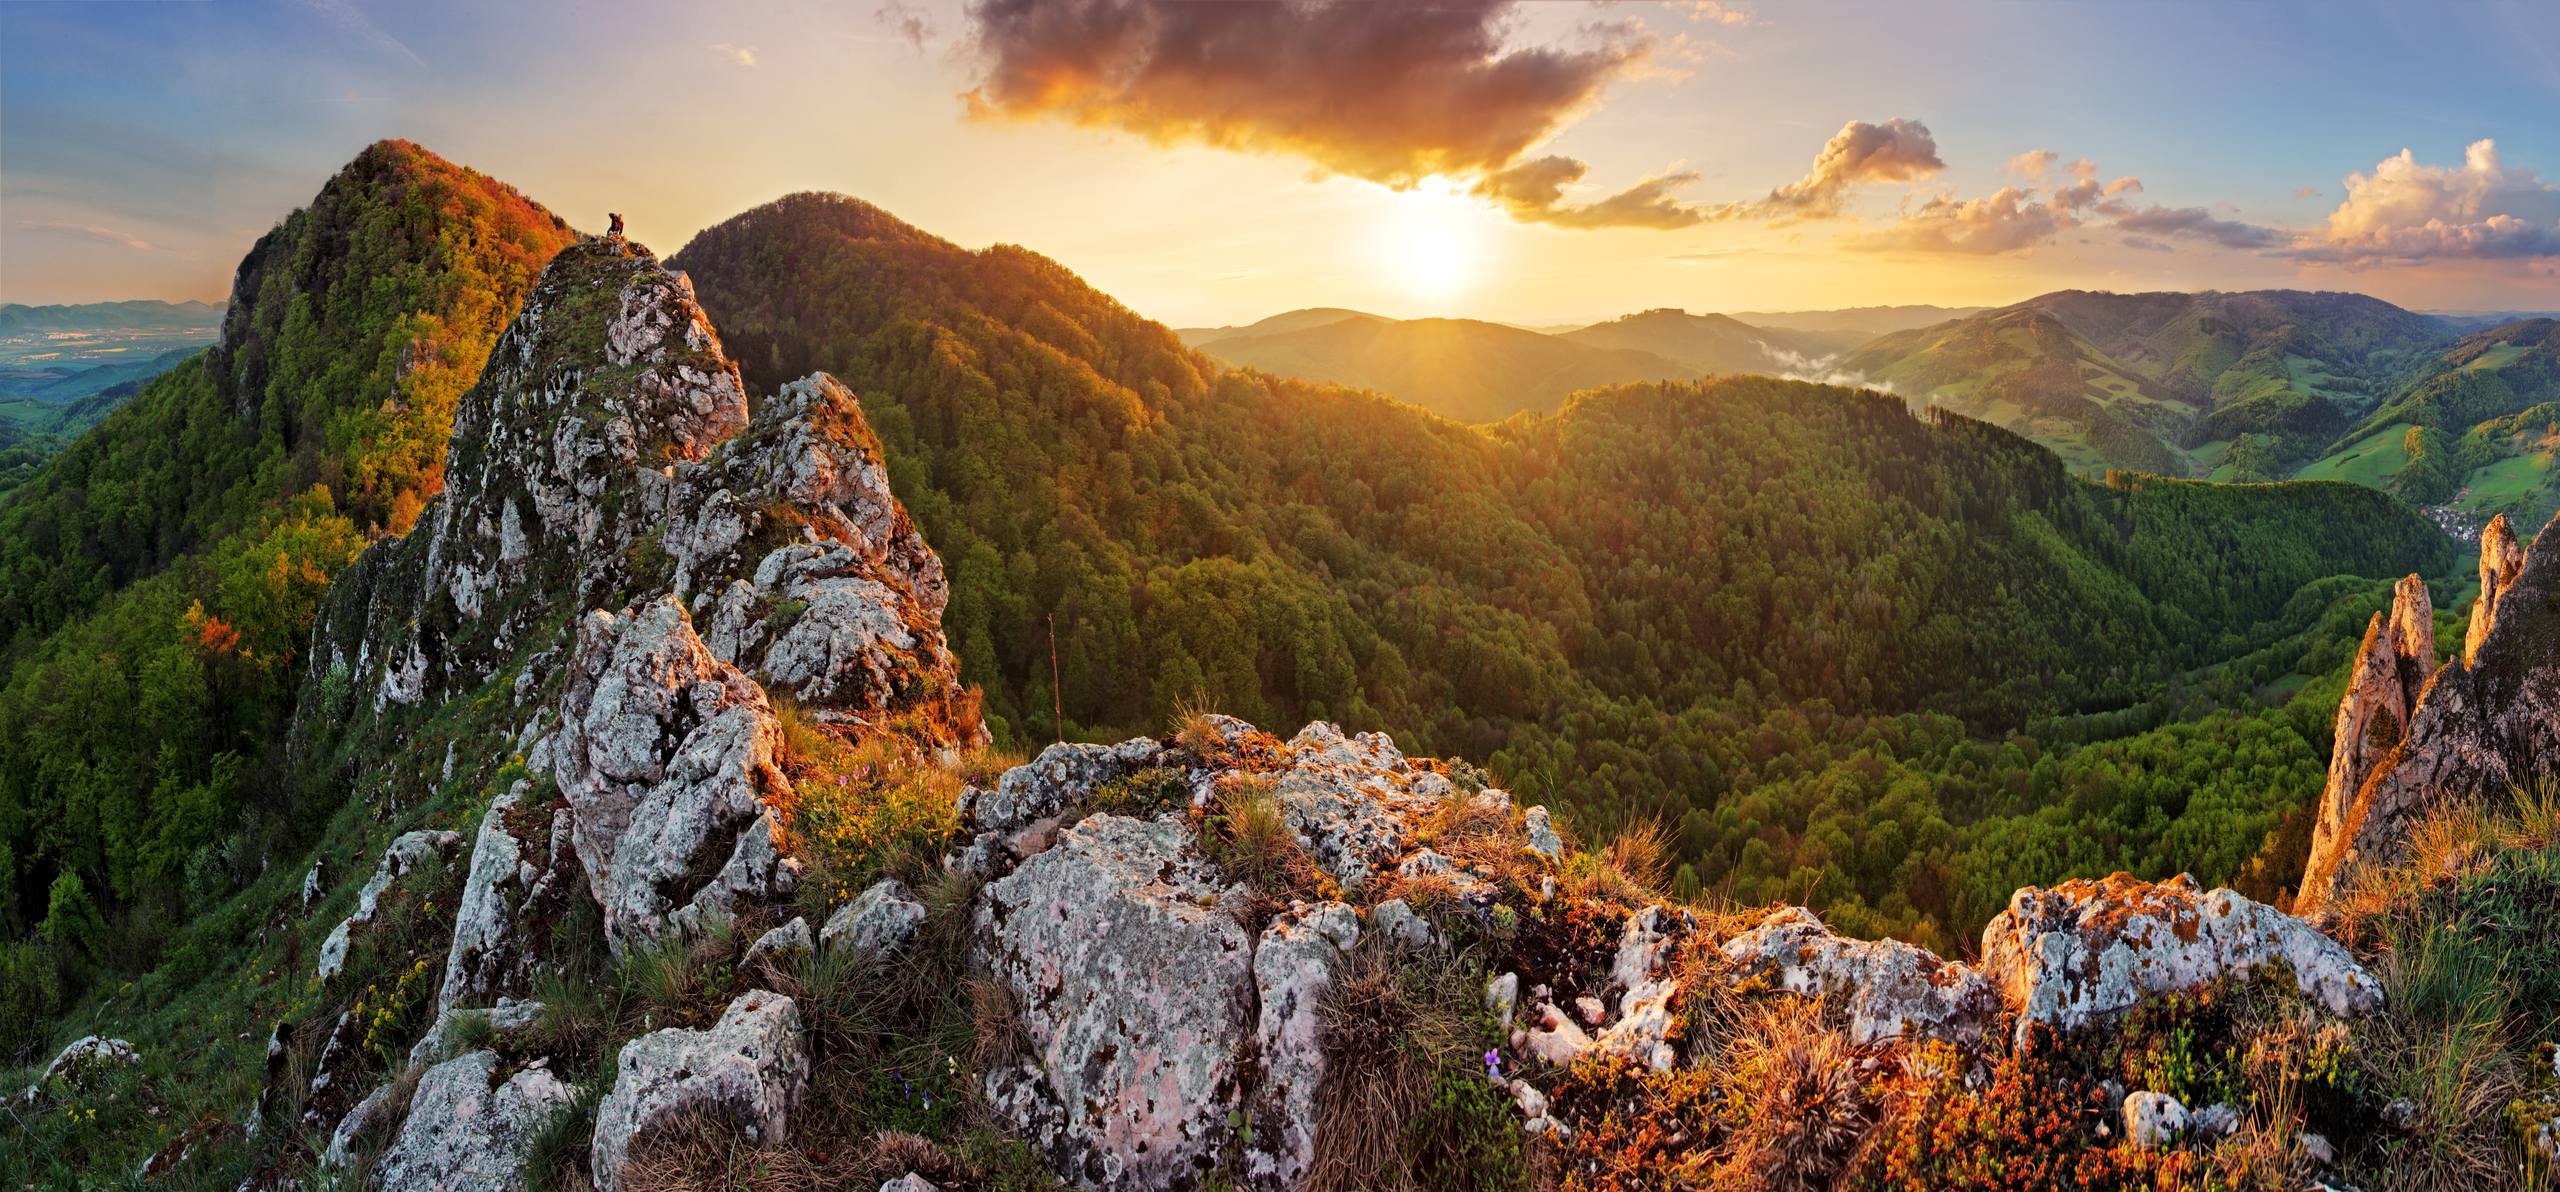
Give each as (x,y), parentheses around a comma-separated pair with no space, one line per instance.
(2405,212)
(737,55)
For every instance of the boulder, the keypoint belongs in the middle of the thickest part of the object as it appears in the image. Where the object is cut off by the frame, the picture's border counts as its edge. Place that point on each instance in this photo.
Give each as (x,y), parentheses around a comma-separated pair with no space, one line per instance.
(1643,1027)
(749,1068)
(510,1016)
(1543,840)
(407,852)
(469,1129)
(2087,950)
(1062,776)
(1293,970)
(1891,989)
(1134,987)
(877,923)
(81,1064)
(779,948)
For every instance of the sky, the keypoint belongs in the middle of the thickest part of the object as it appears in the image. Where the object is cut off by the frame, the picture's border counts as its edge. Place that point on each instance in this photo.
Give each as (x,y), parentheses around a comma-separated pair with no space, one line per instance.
(1213,163)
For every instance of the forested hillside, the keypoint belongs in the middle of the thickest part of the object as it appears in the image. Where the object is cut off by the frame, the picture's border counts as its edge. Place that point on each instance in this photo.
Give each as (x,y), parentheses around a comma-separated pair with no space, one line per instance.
(1691,599)
(157,579)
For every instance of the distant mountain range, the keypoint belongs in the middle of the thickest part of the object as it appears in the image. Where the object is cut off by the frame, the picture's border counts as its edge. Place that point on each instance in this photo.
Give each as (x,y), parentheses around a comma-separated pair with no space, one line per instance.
(62,368)
(2446,410)
(18,318)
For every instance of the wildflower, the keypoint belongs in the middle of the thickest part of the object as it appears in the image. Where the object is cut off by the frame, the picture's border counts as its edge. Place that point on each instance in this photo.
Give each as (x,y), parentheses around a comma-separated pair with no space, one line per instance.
(1493,1062)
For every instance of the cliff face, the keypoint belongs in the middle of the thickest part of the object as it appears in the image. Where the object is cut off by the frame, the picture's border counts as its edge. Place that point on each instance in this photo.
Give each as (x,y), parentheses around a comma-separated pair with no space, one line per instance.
(2413,735)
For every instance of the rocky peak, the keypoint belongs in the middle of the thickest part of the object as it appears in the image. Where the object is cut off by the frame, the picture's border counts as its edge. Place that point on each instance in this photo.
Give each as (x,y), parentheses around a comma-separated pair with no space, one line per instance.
(2391,668)
(2470,728)
(2501,564)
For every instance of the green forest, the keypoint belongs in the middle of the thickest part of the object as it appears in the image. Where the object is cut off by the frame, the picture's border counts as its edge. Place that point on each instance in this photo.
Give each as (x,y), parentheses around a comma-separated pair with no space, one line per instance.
(1834,652)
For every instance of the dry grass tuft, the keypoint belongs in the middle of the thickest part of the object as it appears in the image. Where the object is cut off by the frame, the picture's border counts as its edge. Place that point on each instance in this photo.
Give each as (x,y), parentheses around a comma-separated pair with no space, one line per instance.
(709,1155)
(1802,1116)
(1394,1029)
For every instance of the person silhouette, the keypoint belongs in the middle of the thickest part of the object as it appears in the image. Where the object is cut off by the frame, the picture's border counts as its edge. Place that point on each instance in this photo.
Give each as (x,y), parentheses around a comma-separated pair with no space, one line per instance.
(614,232)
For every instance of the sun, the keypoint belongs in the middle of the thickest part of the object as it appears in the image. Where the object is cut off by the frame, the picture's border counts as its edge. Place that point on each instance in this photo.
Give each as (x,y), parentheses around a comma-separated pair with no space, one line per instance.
(1429,243)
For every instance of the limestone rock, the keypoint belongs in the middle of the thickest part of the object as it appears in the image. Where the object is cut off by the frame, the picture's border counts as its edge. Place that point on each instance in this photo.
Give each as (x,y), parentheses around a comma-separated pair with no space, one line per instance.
(1063,775)
(779,948)
(80,1064)
(2086,950)
(1349,799)
(1892,990)
(877,923)
(508,1017)
(2391,669)
(1131,1079)
(2218,1120)
(1293,970)
(910,1182)
(406,853)
(668,758)
(518,888)
(467,1129)
(750,1068)
(1542,835)
(2153,1121)
(2501,565)
(2480,727)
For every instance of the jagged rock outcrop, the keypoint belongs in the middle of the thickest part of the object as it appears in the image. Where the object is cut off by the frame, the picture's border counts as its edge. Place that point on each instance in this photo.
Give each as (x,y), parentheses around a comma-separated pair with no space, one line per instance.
(467,1127)
(2481,724)
(750,1068)
(633,565)
(2501,564)
(2392,667)
(668,759)
(2087,950)
(1130,1080)
(524,874)
(1893,990)
(406,852)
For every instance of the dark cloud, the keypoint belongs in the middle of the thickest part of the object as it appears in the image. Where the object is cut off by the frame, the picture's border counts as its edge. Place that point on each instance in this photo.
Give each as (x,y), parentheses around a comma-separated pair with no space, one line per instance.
(1533,192)
(903,19)
(1391,92)
(2196,223)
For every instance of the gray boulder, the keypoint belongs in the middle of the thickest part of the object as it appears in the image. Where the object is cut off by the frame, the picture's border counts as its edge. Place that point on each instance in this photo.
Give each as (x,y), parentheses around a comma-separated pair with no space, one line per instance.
(467,1129)
(877,923)
(1134,987)
(1891,989)
(1293,970)
(750,1068)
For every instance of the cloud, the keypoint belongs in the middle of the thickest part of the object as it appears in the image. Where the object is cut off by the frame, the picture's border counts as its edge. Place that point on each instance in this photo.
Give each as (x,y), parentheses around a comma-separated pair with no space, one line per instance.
(903,20)
(2405,212)
(2196,223)
(2012,218)
(2034,163)
(2306,192)
(2147,244)
(1533,192)
(1897,150)
(92,233)
(2006,220)
(1711,12)
(1392,93)
(736,55)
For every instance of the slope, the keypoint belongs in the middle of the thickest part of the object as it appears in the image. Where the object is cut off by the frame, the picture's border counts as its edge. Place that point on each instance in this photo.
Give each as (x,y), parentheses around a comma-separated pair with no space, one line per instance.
(2474,433)
(1709,343)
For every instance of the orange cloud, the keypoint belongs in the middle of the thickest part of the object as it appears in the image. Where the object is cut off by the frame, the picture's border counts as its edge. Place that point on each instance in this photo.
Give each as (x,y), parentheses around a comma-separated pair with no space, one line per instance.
(1860,153)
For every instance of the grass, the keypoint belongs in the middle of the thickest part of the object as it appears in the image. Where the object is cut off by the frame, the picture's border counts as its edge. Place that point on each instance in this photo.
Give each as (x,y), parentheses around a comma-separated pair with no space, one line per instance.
(1405,1103)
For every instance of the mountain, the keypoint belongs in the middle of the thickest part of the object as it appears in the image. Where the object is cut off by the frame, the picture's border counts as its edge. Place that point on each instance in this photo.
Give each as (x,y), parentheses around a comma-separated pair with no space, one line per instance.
(159,577)
(17,319)
(1285,321)
(1856,322)
(1709,343)
(627,788)
(2475,432)
(1458,368)
(2245,386)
